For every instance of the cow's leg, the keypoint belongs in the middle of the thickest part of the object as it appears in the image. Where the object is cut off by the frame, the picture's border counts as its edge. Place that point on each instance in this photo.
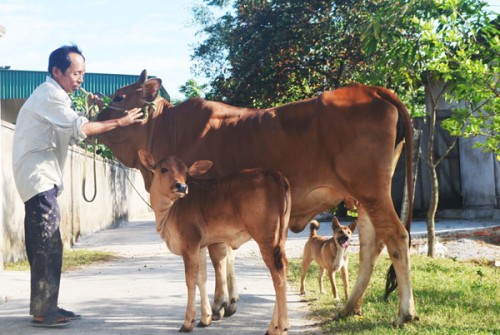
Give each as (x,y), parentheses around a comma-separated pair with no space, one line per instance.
(390,229)
(279,323)
(344,271)
(335,292)
(218,256)
(234,297)
(370,248)
(205,308)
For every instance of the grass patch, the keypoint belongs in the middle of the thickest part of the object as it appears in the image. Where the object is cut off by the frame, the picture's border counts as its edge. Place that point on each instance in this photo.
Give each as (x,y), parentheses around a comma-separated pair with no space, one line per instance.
(73,259)
(451,297)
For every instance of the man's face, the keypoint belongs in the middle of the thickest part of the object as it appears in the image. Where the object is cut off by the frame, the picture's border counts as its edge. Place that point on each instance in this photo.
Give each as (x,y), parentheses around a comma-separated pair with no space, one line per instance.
(71,80)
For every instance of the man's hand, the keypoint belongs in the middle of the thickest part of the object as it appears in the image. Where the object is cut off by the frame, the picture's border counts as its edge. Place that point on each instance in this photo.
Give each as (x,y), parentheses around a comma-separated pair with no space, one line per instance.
(131,116)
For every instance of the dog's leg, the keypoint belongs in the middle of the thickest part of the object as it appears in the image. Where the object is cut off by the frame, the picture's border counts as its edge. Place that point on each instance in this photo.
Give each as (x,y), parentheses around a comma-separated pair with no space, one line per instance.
(320,279)
(335,293)
(370,249)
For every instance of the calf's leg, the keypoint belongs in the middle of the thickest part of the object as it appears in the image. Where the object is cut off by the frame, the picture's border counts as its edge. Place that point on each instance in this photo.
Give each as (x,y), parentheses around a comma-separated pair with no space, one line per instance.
(218,255)
(205,308)
(232,287)
(280,323)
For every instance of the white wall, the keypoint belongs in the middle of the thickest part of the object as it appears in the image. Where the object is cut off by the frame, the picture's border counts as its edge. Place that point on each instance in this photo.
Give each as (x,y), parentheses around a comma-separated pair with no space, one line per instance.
(116,200)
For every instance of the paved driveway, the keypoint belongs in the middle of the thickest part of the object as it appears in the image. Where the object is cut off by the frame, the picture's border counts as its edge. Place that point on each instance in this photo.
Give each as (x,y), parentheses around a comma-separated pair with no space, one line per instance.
(143,292)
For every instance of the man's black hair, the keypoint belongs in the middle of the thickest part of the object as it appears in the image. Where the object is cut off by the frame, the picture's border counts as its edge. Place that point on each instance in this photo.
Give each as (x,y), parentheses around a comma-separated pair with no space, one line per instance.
(60,57)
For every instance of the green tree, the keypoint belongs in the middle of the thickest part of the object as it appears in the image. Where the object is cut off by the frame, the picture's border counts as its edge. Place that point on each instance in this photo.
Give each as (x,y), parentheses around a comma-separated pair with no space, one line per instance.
(449,50)
(264,53)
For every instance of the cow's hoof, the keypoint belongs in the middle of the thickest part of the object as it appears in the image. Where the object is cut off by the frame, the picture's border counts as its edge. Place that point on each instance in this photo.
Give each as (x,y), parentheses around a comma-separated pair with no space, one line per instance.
(185,329)
(203,325)
(400,322)
(219,313)
(230,309)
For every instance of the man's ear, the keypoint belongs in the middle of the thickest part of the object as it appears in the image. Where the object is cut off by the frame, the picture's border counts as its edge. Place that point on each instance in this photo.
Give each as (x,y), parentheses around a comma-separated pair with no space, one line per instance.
(199,167)
(147,160)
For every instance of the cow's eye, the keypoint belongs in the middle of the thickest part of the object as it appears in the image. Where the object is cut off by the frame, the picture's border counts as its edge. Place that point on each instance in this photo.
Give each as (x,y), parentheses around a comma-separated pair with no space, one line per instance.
(163,170)
(118,98)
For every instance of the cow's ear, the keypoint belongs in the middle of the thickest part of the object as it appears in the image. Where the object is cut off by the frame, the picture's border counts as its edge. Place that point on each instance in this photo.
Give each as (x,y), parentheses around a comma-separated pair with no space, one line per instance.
(152,89)
(147,160)
(353,225)
(142,77)
(199,167)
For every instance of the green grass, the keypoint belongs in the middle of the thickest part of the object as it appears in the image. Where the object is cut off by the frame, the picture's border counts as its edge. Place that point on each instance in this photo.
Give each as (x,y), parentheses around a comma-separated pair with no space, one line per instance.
(451,297)
(72,259)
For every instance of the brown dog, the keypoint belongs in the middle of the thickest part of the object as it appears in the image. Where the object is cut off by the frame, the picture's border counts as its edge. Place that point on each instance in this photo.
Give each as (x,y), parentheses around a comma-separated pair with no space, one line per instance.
(329,253)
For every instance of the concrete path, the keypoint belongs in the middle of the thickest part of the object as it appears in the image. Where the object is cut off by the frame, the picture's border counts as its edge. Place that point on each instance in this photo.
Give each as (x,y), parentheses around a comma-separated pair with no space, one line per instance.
(143,292)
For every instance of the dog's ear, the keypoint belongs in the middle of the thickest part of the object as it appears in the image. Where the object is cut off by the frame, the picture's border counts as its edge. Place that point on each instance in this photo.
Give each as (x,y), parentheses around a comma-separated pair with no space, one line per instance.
(353,225)
(335,224)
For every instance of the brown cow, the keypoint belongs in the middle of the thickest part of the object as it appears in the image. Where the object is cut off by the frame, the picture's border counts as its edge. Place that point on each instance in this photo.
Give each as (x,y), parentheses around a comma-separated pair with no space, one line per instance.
(232,209)
(342,144)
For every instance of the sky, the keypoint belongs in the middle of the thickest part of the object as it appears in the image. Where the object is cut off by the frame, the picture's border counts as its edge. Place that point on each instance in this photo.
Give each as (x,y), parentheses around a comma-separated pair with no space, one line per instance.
(116,36)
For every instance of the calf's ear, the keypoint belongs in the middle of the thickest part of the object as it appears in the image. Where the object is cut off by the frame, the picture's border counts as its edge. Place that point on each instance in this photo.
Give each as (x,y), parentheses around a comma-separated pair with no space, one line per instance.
(199,167)
(147,160)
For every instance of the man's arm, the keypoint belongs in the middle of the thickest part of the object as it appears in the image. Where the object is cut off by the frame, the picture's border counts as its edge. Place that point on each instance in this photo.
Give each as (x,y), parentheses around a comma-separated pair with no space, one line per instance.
(98,127)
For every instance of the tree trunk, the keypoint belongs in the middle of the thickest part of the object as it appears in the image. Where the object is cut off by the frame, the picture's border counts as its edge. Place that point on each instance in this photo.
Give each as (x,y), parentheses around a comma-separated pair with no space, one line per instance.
(434,197)
(431,213)
(417,136)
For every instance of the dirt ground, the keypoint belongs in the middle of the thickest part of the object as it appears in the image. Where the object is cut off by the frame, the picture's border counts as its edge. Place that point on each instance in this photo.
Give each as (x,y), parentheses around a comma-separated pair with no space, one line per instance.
(480,245)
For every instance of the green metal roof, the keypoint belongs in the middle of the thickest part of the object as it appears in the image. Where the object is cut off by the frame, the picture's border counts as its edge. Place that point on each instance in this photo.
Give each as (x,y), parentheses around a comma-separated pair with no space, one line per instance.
(17,84)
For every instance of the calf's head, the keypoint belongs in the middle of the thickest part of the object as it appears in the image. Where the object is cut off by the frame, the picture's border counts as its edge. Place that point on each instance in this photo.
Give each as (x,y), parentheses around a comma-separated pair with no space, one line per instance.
(169,176)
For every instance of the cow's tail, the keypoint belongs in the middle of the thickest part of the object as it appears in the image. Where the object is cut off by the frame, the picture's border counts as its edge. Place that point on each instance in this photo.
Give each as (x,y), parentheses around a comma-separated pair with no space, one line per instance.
(280,260)
(391,281)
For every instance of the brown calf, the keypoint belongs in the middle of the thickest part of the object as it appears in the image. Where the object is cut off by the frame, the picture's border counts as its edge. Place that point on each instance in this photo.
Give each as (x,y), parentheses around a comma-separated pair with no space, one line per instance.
(254,203)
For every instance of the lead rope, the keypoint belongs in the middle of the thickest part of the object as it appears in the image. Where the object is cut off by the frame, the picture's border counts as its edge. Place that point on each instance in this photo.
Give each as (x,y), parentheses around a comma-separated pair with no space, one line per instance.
(88,113)
(147,109)
(132,184)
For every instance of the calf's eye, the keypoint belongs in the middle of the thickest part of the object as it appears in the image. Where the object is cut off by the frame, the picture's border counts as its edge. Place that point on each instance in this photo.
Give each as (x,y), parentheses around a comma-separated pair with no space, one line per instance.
(163,170)
(118,98)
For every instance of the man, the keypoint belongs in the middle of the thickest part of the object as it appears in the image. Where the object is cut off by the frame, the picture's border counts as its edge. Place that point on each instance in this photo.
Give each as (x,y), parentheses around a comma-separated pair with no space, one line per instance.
(45,128)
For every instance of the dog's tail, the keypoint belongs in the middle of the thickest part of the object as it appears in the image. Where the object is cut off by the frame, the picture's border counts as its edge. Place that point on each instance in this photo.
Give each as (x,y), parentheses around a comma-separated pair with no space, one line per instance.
(314,226)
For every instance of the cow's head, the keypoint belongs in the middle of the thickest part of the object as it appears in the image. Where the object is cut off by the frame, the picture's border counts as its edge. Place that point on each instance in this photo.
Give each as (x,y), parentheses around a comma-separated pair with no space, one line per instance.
(169,177)
(137,95)
(124,142)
